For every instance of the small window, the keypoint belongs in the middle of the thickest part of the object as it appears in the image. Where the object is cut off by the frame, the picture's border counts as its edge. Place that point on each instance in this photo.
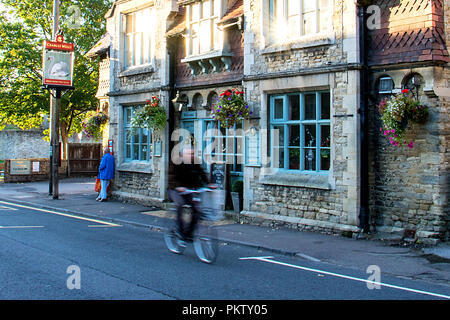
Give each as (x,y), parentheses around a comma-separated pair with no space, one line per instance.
(386,85)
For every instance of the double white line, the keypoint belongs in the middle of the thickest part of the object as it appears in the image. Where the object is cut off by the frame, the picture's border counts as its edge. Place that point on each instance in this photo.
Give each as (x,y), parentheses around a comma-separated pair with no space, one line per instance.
(270,259)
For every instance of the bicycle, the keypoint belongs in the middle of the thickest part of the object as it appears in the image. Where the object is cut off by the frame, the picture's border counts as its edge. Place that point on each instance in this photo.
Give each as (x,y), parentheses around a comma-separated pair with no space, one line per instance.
(205,238)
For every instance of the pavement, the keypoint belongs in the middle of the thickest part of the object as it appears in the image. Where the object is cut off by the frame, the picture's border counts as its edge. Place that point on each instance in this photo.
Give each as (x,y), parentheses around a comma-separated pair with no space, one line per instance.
(394,257)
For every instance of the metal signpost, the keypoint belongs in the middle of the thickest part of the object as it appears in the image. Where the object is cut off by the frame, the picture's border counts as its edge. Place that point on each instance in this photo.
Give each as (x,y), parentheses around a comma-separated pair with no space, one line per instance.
(58,60)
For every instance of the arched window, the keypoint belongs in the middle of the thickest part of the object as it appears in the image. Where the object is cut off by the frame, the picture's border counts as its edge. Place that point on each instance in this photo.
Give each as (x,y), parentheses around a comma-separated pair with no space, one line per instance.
(197,101)
(413,82)
(212,99)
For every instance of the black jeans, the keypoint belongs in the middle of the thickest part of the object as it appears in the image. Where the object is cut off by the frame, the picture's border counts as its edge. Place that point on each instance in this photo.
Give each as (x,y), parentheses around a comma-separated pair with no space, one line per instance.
(187,231)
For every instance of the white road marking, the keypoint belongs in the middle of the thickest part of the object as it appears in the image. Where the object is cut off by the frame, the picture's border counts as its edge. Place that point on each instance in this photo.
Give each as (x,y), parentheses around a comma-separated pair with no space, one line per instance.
(7,208)
(20,227)
(62,214)
(102,226)
(270,260)
(307,257)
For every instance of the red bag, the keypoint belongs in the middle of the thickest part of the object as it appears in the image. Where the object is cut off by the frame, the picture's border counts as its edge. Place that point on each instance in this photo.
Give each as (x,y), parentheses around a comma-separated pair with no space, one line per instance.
(98,185)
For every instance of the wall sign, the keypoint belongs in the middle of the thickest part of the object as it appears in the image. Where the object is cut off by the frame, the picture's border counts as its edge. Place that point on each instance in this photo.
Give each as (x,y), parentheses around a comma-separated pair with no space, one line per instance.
(189,115)
(20,167)
(111,146)
(157,148)
(36,166)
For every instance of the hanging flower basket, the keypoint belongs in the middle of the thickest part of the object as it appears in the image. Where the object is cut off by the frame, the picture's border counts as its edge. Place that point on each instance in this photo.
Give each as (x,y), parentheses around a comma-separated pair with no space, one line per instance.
(231,108)
(94,124)
(397,112)
(151,116)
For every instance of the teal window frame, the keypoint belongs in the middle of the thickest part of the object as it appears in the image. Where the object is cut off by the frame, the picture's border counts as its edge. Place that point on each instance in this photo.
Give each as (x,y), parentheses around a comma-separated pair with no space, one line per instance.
(132,143)
(283,122)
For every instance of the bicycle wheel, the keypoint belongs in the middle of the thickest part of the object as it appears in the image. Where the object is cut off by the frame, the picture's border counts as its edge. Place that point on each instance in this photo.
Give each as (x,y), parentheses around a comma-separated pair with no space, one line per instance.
(173,242)
(206,243)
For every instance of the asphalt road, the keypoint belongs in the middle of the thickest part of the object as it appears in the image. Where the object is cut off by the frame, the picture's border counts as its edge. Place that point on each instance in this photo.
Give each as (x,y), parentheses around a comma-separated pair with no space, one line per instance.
(53,256)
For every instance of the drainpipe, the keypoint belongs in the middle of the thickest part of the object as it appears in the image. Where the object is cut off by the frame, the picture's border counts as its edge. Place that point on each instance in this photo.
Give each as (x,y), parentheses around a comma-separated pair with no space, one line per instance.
(171,49)
(364,77)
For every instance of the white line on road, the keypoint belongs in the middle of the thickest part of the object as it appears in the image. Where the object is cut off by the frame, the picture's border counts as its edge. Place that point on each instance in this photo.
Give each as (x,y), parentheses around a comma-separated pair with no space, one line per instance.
(7,208)
(101,226)
(61,214)
(305,256)
(270,260)
(20,227)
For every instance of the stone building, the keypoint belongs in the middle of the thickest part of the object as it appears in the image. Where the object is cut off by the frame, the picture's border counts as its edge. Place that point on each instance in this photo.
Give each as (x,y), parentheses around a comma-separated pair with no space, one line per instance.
(302,75)
(138,70)
(311,156)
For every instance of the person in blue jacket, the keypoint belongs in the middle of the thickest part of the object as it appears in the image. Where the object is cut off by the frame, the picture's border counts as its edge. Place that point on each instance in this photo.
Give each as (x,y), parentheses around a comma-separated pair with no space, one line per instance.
(105,173)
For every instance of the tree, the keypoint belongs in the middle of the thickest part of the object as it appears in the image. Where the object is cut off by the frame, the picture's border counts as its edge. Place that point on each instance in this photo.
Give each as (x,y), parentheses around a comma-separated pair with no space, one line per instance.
(23,103)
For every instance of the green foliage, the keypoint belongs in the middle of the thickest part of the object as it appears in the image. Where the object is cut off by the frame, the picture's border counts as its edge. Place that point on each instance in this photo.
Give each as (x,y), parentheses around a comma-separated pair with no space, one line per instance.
(231,108)
(94,124)
(22,101)
(396,112)
(151,116)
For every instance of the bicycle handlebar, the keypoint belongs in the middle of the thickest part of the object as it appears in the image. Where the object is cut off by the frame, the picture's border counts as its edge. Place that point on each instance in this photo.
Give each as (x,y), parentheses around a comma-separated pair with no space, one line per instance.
(200,190)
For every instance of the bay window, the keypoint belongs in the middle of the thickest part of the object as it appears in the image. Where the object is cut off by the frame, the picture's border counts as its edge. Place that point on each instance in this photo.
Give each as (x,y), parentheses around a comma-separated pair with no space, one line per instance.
(203,35)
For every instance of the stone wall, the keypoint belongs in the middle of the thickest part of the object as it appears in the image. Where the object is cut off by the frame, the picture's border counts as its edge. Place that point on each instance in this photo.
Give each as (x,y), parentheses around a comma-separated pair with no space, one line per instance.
(408,187)
(18,144)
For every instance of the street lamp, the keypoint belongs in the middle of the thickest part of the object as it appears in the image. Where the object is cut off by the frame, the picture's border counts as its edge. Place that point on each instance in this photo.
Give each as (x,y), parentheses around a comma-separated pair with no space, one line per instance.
(179,101)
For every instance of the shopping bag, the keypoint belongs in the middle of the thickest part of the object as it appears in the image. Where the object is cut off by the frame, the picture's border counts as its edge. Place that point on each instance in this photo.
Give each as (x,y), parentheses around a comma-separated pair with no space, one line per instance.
(98,185)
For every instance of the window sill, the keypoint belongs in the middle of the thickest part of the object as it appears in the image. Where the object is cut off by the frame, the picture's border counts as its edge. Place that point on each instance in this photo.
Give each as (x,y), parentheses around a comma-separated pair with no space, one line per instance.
(313,181)
(135,166)
(137,70)
(309,41)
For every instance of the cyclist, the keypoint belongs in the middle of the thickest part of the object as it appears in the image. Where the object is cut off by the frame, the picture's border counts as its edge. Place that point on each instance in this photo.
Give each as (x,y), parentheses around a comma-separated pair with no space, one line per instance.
(188,175)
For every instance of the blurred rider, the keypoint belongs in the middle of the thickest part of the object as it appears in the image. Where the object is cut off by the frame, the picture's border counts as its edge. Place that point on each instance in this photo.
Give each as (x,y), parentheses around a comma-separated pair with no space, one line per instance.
(188,175)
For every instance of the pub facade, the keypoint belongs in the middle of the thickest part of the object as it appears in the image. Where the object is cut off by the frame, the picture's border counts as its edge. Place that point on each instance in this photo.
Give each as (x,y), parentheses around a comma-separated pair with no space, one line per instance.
(311,155)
